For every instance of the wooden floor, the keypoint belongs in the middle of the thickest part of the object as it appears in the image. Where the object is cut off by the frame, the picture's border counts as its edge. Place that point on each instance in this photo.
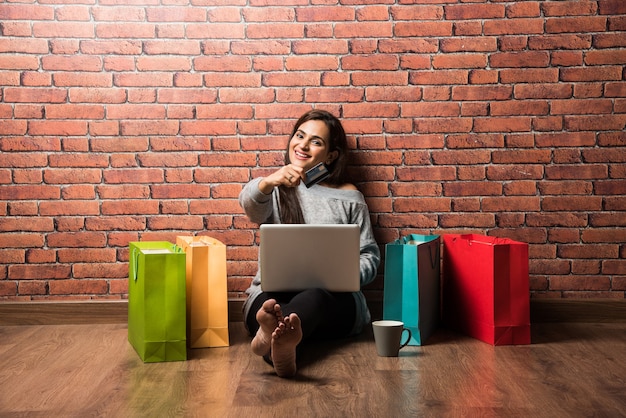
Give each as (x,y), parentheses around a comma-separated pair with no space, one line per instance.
(570,370)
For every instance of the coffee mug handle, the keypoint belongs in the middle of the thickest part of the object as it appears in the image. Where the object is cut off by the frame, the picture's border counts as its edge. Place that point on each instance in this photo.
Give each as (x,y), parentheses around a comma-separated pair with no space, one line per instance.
(408,337)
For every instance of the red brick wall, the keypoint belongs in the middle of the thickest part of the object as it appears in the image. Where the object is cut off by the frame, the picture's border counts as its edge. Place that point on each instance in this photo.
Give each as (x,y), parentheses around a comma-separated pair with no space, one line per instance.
(123,120)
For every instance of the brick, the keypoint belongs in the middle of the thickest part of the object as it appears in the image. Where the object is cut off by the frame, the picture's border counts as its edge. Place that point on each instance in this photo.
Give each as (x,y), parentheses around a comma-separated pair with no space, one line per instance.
(130,207)
(611,7)
(514,172)
(469,188)
(98,271)
(464,60)
(516,107)
(408,46)
(561,41)
(610,187)
(217,206)
(180,222)
(421,205)
(26,224)
(521,157)
(575,9)
(218,175)
(525,9)
(173,208)
(511,204)
(439,77)
(422,109)
(565,187)
(436,125)
(467,28)
(469,204)
(78,192)
(469,44)
(415,141)
(379,78)
(571,203)
(567,156)
(543,91)
(576,24)
(609,139)
(474,11)
(502,124)
(614,267)
(274,14)
(24,46)
(20,208)
(426,173)
(595,123)
(475,220)
(527,59)
(365,29)
(32,287)
(422,29)
(38,272)
(608,73)
(62,30)
(273,30)
(416,189)
(513,26)
(224,63)
(74,287)
(471,173)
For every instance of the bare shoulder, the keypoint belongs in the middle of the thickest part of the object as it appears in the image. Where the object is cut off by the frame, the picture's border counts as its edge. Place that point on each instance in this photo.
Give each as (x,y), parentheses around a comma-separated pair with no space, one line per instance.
(347,186)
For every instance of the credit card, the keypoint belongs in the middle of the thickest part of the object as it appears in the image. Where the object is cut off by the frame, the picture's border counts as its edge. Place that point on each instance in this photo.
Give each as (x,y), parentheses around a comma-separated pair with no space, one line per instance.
(316,174)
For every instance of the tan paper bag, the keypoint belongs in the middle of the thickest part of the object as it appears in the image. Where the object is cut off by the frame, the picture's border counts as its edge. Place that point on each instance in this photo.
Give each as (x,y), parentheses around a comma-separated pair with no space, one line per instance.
(207,297)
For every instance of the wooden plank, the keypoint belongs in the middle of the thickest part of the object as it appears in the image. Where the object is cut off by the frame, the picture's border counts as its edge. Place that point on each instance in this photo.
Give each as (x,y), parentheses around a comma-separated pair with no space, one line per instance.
(116,312)
(67,313)
(578,310)
(570,370)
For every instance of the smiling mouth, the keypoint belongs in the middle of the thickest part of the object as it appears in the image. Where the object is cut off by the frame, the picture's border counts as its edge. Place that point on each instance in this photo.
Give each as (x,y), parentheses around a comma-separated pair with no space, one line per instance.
(300,154)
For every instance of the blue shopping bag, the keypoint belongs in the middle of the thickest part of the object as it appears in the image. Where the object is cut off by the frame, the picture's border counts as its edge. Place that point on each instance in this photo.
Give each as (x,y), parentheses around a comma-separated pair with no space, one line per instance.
(411,284)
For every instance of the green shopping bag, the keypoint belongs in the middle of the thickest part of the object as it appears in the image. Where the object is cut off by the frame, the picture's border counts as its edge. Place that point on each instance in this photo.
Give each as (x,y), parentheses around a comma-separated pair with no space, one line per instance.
(156,301)
(411,288)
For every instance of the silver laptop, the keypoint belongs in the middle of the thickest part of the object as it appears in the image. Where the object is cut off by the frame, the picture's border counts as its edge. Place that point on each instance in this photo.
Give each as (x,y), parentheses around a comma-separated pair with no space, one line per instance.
(306,256)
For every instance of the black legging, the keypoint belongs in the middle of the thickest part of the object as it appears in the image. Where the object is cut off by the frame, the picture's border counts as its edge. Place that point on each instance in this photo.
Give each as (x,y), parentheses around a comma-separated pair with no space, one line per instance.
(323,314)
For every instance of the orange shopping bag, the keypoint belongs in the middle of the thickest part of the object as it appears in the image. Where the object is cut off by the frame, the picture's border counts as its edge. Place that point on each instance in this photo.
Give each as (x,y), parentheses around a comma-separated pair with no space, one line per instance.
(207,296)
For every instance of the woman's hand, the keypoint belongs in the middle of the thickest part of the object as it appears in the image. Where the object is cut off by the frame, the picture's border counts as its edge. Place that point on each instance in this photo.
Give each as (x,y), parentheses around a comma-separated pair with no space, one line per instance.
(289,176)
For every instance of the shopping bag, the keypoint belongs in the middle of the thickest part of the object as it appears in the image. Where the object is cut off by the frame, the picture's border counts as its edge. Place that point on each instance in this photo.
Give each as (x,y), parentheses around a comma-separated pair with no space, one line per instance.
(156,301)
(485,288)
(207,295)
(411,291)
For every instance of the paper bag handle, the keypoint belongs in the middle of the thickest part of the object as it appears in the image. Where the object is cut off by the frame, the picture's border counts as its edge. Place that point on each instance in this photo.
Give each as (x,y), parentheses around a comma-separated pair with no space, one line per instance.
(433,257)
(135,257)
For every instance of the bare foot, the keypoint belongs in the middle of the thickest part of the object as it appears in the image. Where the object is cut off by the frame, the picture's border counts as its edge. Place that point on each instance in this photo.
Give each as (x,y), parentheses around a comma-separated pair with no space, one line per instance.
(285,339)
(268,317)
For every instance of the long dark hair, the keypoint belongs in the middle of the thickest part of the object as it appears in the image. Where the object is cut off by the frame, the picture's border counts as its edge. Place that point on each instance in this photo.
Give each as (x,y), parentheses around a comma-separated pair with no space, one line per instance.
(290,210)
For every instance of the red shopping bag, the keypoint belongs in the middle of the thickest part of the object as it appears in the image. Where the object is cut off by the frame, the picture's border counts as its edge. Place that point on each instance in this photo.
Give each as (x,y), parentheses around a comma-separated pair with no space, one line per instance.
(485,288)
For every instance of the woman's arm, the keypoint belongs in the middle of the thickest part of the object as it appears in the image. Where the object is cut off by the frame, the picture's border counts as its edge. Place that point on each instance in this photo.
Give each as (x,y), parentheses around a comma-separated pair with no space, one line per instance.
(256,204)
(370,252)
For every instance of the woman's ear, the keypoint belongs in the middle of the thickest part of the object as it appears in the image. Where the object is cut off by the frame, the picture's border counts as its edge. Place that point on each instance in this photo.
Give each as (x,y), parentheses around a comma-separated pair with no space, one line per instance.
(332,156)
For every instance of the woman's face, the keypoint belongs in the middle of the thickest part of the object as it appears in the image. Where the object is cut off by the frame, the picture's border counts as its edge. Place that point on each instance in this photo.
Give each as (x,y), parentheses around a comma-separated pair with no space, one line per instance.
(311,145)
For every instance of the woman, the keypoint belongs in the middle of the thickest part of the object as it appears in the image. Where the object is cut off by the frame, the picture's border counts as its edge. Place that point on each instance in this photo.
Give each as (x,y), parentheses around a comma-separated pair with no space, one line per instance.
(278,322)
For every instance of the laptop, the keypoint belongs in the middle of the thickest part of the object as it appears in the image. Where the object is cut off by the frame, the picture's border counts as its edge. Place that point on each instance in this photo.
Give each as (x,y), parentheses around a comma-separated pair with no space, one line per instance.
(296,257)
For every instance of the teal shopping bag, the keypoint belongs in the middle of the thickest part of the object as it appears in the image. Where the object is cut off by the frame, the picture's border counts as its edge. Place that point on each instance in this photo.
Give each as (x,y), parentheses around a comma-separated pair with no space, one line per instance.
(411,284)
(156,301)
